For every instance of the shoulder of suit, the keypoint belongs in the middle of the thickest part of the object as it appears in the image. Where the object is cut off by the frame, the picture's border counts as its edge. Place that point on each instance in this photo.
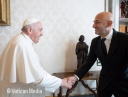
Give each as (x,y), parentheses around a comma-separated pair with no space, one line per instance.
(120,33)
(96,38)
(122,36)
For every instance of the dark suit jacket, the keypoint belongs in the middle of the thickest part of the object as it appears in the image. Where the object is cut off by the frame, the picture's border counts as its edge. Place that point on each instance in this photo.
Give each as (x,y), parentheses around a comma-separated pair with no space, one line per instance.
(114,66)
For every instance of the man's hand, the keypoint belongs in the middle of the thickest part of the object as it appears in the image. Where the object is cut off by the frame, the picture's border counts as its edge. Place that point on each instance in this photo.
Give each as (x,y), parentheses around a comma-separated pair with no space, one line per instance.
(72,79)
(69,81)
(67,84)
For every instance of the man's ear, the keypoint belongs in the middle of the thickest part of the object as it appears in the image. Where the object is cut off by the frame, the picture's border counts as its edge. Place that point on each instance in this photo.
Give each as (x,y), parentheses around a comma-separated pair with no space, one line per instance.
(109,23)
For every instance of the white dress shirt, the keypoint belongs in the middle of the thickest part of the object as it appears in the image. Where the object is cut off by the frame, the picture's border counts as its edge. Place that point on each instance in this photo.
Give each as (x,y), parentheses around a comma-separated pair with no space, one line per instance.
(108,40)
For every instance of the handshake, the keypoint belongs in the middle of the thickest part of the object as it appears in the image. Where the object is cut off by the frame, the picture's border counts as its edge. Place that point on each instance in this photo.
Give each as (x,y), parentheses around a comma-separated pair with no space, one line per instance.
(69,82)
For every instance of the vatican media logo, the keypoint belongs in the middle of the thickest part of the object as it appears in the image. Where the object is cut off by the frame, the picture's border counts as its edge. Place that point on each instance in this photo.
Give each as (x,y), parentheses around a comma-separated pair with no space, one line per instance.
(21,91)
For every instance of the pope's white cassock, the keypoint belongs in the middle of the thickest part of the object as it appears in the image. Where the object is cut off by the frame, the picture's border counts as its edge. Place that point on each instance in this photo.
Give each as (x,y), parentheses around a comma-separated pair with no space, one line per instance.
(20,71)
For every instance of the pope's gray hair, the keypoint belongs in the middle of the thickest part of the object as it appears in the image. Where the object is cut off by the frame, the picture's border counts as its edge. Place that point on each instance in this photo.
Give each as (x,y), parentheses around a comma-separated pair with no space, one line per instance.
(24,28)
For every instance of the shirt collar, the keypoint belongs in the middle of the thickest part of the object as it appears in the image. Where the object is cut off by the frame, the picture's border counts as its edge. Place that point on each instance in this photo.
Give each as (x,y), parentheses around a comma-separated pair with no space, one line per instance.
(28,38)
(109,36)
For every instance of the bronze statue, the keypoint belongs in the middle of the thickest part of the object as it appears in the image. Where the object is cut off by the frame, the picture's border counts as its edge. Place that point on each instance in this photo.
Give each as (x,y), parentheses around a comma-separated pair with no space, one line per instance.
(81,51)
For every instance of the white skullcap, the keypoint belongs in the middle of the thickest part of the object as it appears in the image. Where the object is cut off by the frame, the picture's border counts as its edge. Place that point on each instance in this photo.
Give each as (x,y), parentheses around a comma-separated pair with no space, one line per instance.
(30,21)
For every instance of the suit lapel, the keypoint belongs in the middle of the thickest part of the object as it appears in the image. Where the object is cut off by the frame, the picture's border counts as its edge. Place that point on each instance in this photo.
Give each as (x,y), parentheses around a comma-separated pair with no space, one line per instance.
(113,46)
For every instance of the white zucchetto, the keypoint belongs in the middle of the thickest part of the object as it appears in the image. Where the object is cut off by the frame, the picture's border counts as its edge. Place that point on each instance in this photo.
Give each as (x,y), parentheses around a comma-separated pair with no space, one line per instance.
(30,21)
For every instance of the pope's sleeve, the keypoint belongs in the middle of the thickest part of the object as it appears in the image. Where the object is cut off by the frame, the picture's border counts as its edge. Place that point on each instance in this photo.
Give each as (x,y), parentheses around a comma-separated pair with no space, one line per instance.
(51,83)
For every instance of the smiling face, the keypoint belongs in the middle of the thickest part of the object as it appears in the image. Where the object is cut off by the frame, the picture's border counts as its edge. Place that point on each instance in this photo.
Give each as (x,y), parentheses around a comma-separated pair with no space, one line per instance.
(102,23)
(36,31)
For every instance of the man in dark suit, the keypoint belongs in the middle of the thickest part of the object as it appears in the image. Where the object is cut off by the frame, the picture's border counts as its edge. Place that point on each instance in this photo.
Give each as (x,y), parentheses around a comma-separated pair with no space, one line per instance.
(114,73)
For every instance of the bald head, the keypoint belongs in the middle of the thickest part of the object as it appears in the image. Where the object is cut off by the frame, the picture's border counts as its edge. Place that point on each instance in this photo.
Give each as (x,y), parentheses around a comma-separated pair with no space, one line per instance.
(105,16)
(103,23)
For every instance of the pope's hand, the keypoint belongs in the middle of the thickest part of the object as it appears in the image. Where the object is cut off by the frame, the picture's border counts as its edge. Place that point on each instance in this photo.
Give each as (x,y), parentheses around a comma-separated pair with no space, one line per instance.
(67,84)
(72,79)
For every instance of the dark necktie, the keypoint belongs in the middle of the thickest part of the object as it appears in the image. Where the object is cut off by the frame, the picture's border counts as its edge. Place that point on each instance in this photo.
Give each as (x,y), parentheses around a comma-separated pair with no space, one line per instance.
(104,46)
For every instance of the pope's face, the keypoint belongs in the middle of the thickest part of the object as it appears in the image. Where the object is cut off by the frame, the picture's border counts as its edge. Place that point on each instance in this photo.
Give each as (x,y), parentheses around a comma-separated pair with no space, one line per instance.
(37,32)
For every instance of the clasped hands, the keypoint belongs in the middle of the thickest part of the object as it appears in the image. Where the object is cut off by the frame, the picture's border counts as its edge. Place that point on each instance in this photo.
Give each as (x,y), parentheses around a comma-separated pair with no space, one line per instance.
(69,81)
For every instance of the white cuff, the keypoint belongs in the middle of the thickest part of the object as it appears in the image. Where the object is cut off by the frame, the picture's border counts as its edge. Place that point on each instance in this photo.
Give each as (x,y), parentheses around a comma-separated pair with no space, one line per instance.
(77,77)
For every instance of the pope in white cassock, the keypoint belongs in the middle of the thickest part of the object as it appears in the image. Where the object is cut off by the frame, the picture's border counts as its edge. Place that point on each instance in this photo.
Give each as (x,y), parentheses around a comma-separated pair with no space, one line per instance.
(20,70)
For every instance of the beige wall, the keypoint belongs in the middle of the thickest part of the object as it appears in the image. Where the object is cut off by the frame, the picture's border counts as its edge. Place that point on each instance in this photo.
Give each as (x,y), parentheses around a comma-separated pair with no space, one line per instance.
(63,20)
